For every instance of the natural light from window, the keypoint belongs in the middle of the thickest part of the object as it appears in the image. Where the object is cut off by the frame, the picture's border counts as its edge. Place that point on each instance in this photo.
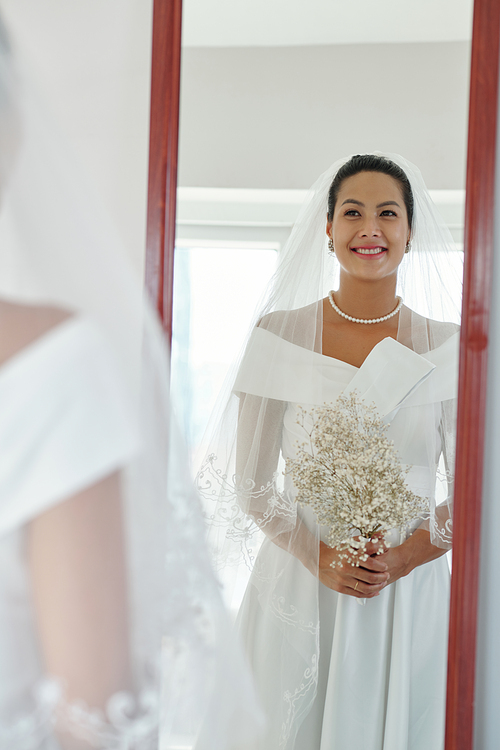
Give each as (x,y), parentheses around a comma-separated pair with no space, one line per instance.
(216,291)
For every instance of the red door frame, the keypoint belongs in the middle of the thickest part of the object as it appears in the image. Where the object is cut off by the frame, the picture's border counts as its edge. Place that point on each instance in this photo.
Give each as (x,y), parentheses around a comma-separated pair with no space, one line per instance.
(478,247)
(163,154)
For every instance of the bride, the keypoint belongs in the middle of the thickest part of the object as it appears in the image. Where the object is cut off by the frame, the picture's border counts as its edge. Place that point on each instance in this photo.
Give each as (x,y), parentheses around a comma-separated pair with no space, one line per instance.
(112,629)
(331,673)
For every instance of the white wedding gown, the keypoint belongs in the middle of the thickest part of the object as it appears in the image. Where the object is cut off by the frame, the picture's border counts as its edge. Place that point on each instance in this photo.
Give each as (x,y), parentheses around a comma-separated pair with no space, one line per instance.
(380,668)
(68,425)
(64,427)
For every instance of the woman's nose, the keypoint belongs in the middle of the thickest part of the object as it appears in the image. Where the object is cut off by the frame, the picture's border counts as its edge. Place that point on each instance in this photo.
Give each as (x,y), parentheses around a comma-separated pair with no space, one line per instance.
(370,228)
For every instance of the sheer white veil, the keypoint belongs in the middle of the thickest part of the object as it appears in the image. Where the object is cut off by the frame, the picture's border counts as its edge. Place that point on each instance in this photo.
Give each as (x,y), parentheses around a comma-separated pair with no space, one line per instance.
(242,481)
(84,372)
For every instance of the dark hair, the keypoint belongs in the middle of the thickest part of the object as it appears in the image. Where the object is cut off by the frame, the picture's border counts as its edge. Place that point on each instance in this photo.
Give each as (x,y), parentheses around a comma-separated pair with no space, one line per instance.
(370,163)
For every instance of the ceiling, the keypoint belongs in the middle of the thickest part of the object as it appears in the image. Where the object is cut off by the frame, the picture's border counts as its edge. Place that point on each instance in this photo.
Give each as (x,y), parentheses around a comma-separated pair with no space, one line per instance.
(249,23)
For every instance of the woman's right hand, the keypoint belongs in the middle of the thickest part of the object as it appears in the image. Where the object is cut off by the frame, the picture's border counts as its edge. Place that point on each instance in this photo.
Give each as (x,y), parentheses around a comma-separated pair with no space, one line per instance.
(365,581)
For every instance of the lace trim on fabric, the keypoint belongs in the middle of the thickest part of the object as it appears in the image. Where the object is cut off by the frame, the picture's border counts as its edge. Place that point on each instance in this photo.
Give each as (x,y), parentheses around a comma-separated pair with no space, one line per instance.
(438,529)
(32,730)
(443,533)
(293,699)
(291,616)
(230,494)
(129,723)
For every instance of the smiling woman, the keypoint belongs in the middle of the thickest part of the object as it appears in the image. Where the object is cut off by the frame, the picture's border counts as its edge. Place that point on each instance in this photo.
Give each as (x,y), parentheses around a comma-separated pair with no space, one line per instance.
(369,226)
(330,673)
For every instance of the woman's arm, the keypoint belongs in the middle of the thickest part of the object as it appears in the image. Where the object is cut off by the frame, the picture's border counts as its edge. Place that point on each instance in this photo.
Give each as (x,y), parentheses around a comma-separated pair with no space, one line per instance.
(415,551)
(77,564)
(260,427)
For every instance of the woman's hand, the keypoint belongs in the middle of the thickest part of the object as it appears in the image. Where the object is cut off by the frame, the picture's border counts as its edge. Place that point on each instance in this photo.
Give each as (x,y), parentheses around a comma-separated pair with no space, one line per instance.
(416,550)
(365,581)
(398,562)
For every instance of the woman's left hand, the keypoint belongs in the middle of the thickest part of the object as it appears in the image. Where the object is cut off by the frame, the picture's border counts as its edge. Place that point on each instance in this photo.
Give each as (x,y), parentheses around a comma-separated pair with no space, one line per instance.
(401,560)
(397,561)
(395,558)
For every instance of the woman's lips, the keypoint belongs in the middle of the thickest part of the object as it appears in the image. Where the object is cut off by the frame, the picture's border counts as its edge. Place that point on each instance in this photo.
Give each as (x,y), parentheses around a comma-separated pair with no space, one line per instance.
(369,252)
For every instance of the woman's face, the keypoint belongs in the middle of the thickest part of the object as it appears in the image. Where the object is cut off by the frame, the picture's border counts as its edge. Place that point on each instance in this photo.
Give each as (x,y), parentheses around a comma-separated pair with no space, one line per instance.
(370,226)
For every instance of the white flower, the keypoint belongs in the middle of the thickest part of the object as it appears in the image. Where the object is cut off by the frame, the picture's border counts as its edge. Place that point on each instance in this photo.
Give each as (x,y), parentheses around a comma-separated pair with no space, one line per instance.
(350,474)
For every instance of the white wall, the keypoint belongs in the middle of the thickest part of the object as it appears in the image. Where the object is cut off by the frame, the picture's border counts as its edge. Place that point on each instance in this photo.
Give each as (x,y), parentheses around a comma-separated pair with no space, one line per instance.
(258,117)
(276,117)
(271,23)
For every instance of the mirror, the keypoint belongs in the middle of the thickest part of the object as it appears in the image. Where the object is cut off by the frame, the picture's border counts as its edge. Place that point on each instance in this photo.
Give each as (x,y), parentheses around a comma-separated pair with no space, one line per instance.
(265,108)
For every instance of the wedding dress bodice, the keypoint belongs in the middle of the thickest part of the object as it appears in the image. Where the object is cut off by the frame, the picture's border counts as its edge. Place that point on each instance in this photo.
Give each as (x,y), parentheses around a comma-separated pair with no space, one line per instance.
(407,389)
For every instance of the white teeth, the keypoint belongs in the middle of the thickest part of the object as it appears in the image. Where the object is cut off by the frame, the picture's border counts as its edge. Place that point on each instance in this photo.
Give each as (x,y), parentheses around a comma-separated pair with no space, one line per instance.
(369,250)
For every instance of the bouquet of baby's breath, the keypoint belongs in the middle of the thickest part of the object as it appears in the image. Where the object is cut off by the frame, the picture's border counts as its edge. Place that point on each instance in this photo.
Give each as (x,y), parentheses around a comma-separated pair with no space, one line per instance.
(350,474)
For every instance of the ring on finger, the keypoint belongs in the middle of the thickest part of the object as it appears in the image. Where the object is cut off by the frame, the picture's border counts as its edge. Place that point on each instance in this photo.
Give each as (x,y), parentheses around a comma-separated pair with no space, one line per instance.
(356,586)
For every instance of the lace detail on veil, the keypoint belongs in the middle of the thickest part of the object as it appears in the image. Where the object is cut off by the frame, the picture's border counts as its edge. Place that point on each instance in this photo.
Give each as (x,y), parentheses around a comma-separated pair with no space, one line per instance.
(231,497)
(290,615)
(442,531)
(440,520)
(31,731)
(293,700)
(129,723)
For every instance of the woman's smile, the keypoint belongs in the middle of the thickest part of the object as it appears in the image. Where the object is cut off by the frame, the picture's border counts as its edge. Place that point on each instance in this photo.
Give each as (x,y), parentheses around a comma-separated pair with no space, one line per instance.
(369,252)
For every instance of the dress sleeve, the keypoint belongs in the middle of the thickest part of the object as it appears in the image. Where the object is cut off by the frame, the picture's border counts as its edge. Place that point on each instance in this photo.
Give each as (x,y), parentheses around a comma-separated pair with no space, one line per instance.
(261,489)
(65,423)
(441,521)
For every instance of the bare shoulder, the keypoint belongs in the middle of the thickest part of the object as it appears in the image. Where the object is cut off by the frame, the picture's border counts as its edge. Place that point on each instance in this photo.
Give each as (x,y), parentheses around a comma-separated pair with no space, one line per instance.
(300,326)
(441,331)
(21,325)
(421,333)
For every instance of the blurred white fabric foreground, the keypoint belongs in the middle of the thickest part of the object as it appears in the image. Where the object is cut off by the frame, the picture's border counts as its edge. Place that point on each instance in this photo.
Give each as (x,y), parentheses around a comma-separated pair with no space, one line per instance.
(112,630)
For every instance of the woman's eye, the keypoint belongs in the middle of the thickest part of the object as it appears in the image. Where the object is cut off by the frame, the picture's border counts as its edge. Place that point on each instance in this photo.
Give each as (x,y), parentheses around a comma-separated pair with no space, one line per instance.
(352,212)
(388,212)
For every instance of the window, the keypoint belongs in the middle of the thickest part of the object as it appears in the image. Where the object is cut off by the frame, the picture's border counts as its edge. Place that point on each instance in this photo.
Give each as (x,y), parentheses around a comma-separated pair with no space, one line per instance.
(216,291)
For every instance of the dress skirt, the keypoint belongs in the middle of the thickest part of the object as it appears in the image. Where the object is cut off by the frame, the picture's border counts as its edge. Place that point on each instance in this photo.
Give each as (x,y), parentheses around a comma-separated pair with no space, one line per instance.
(381,676)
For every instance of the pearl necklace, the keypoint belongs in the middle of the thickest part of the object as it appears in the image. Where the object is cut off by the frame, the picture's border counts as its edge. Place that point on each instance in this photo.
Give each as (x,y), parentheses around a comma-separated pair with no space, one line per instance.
(363,320)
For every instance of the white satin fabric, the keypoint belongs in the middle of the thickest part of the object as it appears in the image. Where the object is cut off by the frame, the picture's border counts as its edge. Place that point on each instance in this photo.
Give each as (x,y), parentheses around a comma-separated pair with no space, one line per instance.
(379,670)
(64,421)
(64,427)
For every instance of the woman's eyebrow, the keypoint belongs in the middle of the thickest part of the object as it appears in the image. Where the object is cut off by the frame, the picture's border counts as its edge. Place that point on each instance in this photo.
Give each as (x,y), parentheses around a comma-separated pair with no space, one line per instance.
(379,205)
(353,200)
(388,203)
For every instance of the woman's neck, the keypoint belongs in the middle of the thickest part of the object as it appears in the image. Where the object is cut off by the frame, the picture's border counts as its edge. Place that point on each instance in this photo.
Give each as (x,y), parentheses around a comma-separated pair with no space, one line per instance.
(366,299)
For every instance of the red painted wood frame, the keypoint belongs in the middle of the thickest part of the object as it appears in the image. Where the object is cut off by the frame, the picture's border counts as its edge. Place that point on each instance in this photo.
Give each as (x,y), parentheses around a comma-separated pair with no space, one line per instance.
(163,152)
(479,219)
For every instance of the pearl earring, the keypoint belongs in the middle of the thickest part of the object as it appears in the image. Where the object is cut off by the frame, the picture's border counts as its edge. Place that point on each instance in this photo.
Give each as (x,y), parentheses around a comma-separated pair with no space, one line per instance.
(408,247)
(330,245)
